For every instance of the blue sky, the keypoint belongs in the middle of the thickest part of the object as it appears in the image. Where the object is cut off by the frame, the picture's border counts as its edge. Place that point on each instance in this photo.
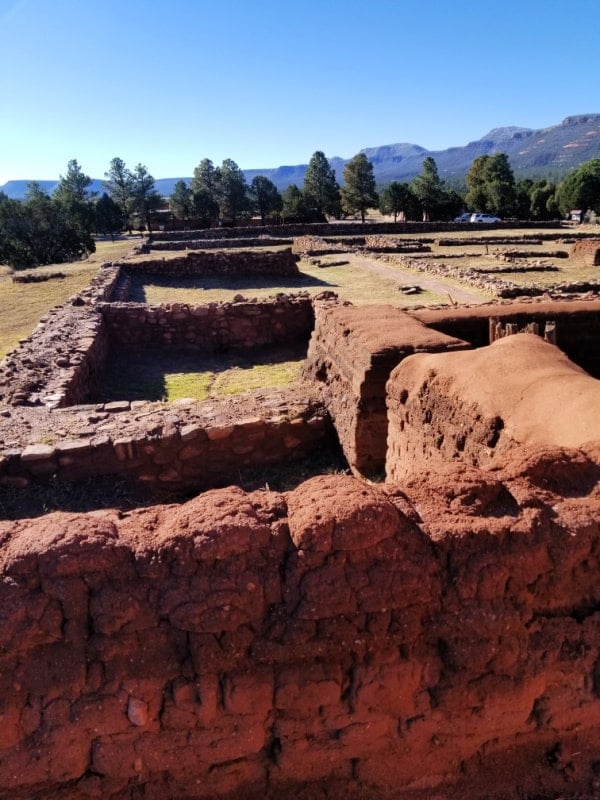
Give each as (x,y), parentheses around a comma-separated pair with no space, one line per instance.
(268,82)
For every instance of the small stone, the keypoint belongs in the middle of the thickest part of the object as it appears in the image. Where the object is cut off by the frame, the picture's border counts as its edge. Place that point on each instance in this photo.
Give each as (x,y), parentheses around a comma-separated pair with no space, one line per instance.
(137,711)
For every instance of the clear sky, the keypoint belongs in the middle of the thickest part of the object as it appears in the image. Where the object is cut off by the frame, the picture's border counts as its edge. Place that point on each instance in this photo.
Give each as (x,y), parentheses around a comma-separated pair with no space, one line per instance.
(268,82)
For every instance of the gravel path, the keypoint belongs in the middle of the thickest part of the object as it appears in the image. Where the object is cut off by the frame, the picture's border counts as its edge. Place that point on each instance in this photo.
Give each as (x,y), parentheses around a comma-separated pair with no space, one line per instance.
(448,289)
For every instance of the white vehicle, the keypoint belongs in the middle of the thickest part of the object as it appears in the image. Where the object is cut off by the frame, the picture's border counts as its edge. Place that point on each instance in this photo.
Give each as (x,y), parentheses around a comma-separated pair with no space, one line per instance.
(484,218)
(464,217)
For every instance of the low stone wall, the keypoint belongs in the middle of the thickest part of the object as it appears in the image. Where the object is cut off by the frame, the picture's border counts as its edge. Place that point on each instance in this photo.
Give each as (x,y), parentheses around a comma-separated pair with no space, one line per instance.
(383,244)
(246,263)
(588,251)
(341,641)
(62,361)
(207,244)
(486,407)
(346,229)
(180,446)
(212,328)
(318,246)
(488,282)
(352,352)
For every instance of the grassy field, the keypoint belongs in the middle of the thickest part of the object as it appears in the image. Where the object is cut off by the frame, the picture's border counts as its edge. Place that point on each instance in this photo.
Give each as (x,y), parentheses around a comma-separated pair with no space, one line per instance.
(348,281)
(22,305)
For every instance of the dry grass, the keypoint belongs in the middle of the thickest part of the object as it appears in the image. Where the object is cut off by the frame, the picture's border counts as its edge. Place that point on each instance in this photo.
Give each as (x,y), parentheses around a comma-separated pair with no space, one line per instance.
(350,282)
(22,305)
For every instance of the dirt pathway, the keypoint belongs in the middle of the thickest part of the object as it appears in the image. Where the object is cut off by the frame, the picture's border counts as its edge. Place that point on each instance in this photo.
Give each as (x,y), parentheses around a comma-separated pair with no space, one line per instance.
(448,289)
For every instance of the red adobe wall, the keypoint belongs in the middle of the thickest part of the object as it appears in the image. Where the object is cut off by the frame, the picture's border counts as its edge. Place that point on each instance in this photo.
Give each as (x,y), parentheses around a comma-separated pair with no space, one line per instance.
(434,639)
(482,407)
(352,352)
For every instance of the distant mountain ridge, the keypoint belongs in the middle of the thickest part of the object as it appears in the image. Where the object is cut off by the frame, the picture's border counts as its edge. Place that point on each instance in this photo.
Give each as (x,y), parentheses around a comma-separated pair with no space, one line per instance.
(548,152)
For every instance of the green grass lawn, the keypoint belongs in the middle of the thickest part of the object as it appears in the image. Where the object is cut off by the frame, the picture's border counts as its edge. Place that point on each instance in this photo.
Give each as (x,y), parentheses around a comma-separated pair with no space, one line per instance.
(170,375)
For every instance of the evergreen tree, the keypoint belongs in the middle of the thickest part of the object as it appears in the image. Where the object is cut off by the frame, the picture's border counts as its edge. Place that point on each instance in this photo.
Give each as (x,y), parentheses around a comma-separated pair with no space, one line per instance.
(491,185)
(205,178)
(181,201)
(581,189)
(294,207)
(72,194)
(321,190)
(145,199)
(119,185)
(428,188)
(397,199)
(232,191)
(542,205)
(265,197)
(108,217)
(358,193)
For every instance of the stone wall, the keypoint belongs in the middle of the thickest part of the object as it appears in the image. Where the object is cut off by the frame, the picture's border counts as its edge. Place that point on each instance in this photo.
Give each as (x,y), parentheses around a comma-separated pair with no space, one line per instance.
(345,228)
(488,281)
(61,362)
(208,244)
(211,328)
(588,250)
(246,263)
(352,352)
(383,244)
(184,445)
(344,641)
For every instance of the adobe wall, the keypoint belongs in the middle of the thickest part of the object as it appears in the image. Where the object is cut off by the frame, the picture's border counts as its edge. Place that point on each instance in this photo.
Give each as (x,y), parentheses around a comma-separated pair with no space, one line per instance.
(246,263)
(428,640)
(577,324)
(486,407)
(211,328)
(352,352)
(588,250)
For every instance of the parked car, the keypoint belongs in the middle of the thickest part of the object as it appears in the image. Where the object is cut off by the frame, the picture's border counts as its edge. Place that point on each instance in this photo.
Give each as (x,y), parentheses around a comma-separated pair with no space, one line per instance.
(484,218)
(463,217)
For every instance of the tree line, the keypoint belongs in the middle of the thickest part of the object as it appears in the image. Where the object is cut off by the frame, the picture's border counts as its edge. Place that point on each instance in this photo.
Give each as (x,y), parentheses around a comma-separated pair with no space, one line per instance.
(490,187)
(44,229)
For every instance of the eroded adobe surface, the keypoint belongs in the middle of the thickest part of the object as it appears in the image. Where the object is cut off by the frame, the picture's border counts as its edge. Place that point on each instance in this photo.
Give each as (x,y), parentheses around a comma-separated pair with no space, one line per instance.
(438,638)
(352,352)
(488,406)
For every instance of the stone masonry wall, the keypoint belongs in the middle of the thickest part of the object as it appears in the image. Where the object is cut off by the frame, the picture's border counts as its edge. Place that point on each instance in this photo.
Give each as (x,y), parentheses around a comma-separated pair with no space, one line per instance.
(206,244)
(215,327)
(183,445)
(245,263)
(61,362)
(428,640)
(342,229)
